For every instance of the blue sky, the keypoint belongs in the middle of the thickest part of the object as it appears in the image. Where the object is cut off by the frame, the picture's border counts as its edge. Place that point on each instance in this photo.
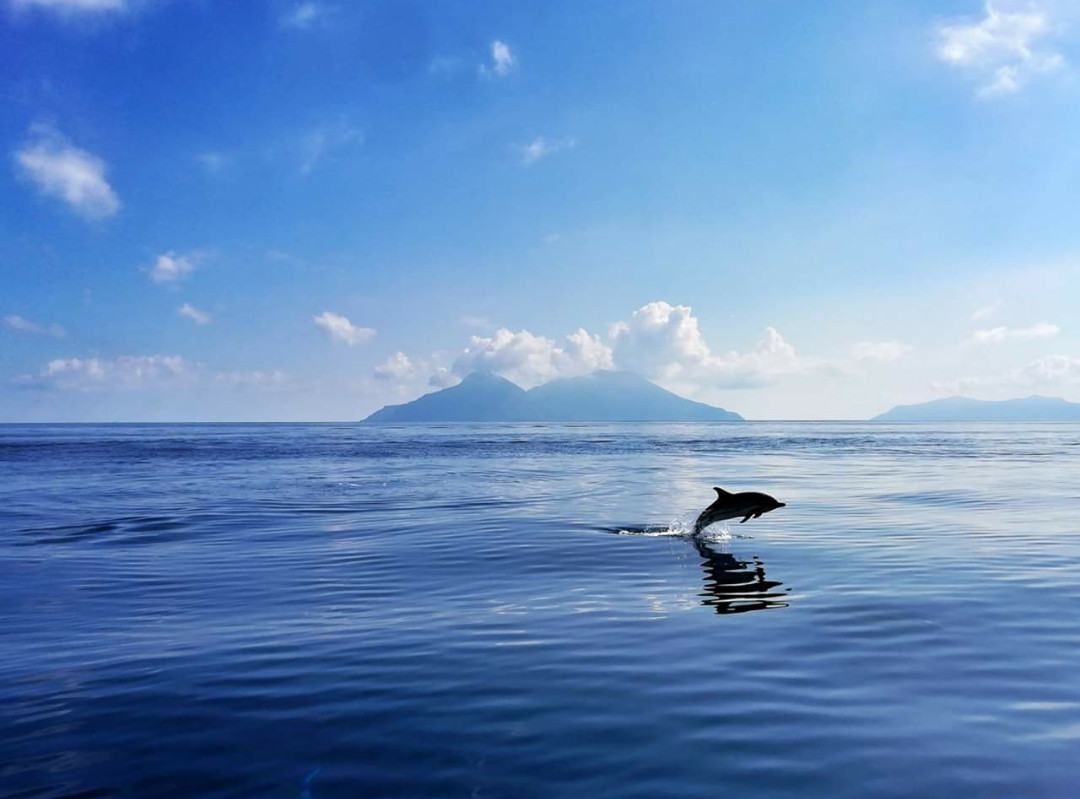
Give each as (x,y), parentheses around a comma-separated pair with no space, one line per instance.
(280,210)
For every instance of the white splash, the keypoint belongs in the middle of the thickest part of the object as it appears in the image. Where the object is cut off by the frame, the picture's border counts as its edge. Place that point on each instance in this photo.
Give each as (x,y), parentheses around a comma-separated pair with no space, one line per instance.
(684,528)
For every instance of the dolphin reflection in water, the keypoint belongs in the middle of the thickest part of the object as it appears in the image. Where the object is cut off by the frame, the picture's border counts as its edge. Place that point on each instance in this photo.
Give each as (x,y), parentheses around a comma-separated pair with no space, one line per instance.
(736,586)
(729,584)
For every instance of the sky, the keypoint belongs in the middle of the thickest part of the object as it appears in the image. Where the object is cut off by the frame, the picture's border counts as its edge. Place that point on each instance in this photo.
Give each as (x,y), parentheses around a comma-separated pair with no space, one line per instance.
(303,211)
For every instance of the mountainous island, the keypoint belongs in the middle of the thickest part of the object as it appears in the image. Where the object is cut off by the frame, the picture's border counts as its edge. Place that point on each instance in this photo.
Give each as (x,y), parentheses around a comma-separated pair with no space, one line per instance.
(603,396)
(962,409)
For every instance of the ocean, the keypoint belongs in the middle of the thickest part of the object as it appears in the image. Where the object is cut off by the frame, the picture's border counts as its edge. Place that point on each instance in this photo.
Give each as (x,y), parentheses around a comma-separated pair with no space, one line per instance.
(340,610)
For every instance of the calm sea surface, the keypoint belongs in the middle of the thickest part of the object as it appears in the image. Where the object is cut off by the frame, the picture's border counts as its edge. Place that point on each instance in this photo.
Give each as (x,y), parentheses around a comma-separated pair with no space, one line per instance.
(321,611)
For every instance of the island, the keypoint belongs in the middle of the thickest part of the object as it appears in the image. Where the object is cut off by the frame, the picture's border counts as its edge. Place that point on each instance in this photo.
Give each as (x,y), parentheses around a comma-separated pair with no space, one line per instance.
(963,409)
(603,396)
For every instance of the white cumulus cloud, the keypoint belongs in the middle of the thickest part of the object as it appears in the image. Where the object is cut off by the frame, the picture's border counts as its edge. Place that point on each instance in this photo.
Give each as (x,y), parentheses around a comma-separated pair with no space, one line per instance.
(530,360)
(339,327)
(1002,333)
(171,267)
(1002,49)
(503,61)
(397,367)
(189,311)
(663,342)
(16,322)
(61,170)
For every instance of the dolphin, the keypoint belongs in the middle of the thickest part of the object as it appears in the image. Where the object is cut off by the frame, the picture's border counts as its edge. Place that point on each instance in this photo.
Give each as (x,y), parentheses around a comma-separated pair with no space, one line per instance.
(749,505)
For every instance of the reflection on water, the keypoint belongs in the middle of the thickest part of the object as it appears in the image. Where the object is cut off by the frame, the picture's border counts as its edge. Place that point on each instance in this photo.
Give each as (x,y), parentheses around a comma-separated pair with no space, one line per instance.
(736,586)
(730,585)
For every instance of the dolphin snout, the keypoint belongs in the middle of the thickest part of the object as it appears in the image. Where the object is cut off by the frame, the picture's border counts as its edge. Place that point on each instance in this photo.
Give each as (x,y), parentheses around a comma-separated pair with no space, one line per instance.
(781,504)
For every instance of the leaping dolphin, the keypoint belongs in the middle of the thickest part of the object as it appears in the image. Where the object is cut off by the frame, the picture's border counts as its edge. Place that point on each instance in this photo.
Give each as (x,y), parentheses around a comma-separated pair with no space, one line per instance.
(748,504)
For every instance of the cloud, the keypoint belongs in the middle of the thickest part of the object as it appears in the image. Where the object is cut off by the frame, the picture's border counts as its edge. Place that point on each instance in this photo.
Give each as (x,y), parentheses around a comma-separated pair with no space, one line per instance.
(171,267)
(474,321)
(541,148)
(213,162)
(15,322)
(441,377)
(319,144)
(503,61)
(251,380)
(339,327)
(530,360)
(996,334)
(194,314)
(125,372)
(663,342)
(304,16)
(396,367)
(142,372)
(879,351)
(1000,49)
(985,312)
(74,6)
(61,170)
(1047,372)
(1051,369)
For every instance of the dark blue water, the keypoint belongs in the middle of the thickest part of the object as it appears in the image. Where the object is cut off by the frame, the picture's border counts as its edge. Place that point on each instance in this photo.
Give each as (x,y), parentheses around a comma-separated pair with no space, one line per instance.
(346,611)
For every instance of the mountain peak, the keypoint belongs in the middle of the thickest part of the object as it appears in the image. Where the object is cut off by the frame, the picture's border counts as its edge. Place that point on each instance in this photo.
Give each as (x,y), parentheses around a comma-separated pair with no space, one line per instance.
(602,396)
(1035,408)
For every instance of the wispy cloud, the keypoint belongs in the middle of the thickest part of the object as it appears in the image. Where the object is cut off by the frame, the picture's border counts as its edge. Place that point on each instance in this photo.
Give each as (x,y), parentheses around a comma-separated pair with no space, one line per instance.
(271,380)
(124,372)
(304,16)
(502,63)
(475,321)
(1002,49)
(985,312)
(319,144)
(171,267)
(74,6)
(879,351)
(59,169)
(541,148)
(23,325)
(1045,373)
(189,311)
(213,161)
(339,327)
(143,372)
(1002,333)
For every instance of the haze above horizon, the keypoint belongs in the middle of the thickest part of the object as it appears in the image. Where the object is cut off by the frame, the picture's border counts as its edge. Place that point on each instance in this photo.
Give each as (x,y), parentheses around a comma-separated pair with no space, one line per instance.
(306,211)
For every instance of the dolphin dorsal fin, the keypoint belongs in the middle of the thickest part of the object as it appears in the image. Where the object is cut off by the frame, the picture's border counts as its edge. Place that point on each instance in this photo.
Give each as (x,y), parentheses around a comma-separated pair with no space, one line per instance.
(721,493)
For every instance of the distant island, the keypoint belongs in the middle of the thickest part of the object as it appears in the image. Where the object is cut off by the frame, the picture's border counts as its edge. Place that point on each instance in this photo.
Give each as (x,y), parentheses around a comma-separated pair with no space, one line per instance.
(602,396)
(962,409)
